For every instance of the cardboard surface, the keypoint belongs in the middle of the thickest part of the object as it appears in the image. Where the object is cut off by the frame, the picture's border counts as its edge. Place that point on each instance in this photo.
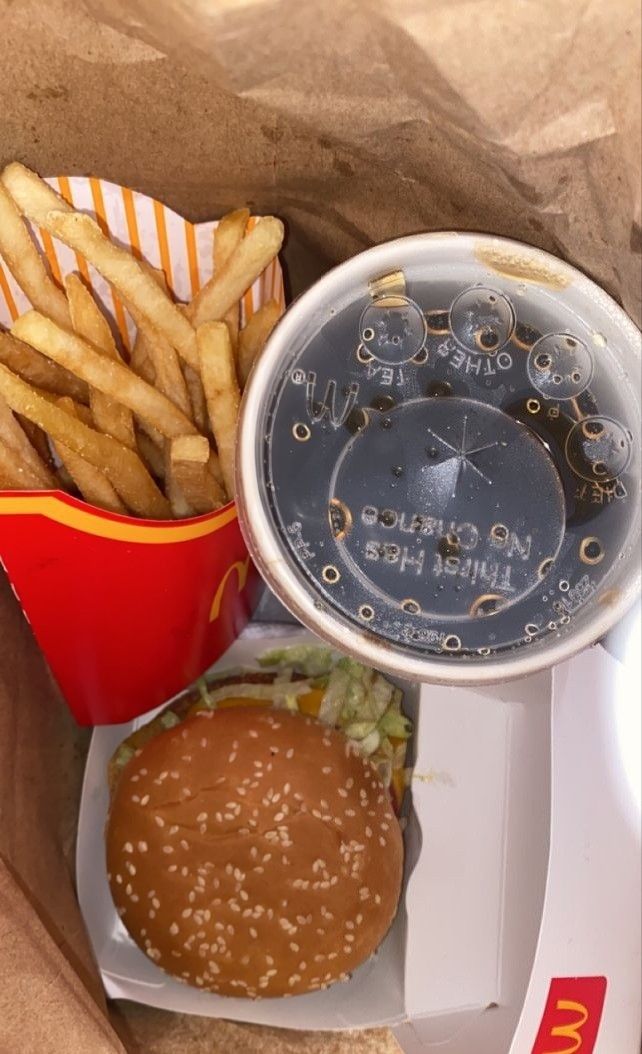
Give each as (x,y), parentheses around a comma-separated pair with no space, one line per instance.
(356,122)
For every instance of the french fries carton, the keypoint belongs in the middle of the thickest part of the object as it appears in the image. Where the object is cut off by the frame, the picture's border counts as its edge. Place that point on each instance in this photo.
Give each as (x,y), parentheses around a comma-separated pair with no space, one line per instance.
(126,610)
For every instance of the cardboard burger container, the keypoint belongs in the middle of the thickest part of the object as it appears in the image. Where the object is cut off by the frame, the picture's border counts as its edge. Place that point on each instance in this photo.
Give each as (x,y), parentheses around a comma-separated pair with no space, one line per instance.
(507,783)
(127,611)
(519,929)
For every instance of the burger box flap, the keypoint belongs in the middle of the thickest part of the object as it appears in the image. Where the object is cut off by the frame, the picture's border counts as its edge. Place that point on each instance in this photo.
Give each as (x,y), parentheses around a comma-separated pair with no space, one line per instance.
(571,969)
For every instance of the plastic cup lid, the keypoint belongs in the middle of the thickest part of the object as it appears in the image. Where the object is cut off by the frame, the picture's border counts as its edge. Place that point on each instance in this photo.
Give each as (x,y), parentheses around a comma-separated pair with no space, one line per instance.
(439,458)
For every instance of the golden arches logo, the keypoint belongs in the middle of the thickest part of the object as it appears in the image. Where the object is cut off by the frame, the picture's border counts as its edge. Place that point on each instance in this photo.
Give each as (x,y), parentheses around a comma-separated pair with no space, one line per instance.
(242,568)
(571,1030)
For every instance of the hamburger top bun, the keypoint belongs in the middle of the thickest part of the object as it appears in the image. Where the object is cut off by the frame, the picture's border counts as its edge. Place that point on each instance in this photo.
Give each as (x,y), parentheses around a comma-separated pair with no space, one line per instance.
(251,852)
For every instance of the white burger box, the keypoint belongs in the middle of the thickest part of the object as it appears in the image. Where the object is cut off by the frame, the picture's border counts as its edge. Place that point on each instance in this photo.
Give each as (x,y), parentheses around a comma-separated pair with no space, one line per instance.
(518,930)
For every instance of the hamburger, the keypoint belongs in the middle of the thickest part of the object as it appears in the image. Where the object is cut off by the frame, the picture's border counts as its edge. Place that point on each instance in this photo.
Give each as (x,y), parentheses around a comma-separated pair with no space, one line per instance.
(253,848)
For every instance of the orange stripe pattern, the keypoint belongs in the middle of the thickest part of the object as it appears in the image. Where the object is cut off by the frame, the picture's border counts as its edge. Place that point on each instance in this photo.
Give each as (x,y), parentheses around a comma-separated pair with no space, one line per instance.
(65,191)
(132,222)
(192,258)
(8,295)
(101,216)
(50,253)
(163,246)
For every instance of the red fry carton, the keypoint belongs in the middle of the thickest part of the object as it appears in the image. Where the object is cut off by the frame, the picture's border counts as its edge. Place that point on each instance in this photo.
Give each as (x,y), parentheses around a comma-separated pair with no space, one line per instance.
(127,611)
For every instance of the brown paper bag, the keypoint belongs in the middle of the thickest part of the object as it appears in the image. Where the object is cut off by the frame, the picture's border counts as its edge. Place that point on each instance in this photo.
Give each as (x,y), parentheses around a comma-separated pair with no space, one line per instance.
(356,121)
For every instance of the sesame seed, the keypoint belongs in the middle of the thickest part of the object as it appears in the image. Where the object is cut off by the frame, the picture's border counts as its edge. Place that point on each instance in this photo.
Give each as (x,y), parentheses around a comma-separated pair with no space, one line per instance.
(232,758)
(151,913)
(382,841)
(174,775)
(135,798)
(119,879)
(173,929)
(253,933)
(368,832)
(144,799)
(168,849)
(342,793)
(184,844)
(128,847)
(202,816)
(159,821)
(186,912)
(129,889)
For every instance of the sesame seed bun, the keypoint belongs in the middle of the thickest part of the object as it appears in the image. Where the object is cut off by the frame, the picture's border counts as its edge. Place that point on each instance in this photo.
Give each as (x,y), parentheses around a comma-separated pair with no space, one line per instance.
(252,853)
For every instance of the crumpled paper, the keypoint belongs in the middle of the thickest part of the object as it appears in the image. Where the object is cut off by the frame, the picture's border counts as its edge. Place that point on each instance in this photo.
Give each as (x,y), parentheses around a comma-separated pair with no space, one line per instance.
(356,121)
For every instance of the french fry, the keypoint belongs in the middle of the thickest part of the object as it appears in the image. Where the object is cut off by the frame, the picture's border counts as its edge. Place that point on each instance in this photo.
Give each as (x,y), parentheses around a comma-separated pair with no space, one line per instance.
(39,370)
(122,466)
(227,236)
(82,412)
(32,195)
(180,507)
(189,457)
(15,474)
(152,454)
(39,442)
(196,398)
(168,375)
(89,323)
(26,264)
(140,361)
(90,481)
(13,438)
(40,203)
(108,376)
(137,288)
(247,262)
(252,337)
(218,374)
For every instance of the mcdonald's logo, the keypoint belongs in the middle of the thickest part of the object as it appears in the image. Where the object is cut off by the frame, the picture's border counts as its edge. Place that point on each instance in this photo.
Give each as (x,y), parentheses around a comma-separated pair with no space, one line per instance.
(327,407)
(241,567)
(571,1017)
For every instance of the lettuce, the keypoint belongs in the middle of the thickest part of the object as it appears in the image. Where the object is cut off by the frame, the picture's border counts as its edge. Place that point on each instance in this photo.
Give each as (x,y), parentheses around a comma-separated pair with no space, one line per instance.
(308,659)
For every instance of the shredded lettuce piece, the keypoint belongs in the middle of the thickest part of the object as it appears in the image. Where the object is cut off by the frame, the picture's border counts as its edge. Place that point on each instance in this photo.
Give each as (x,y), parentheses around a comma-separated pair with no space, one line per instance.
(124,754)
(308,659)
(369,744)
(169,719)
(359,729)
(203,691)
(395,724)
(290,702)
